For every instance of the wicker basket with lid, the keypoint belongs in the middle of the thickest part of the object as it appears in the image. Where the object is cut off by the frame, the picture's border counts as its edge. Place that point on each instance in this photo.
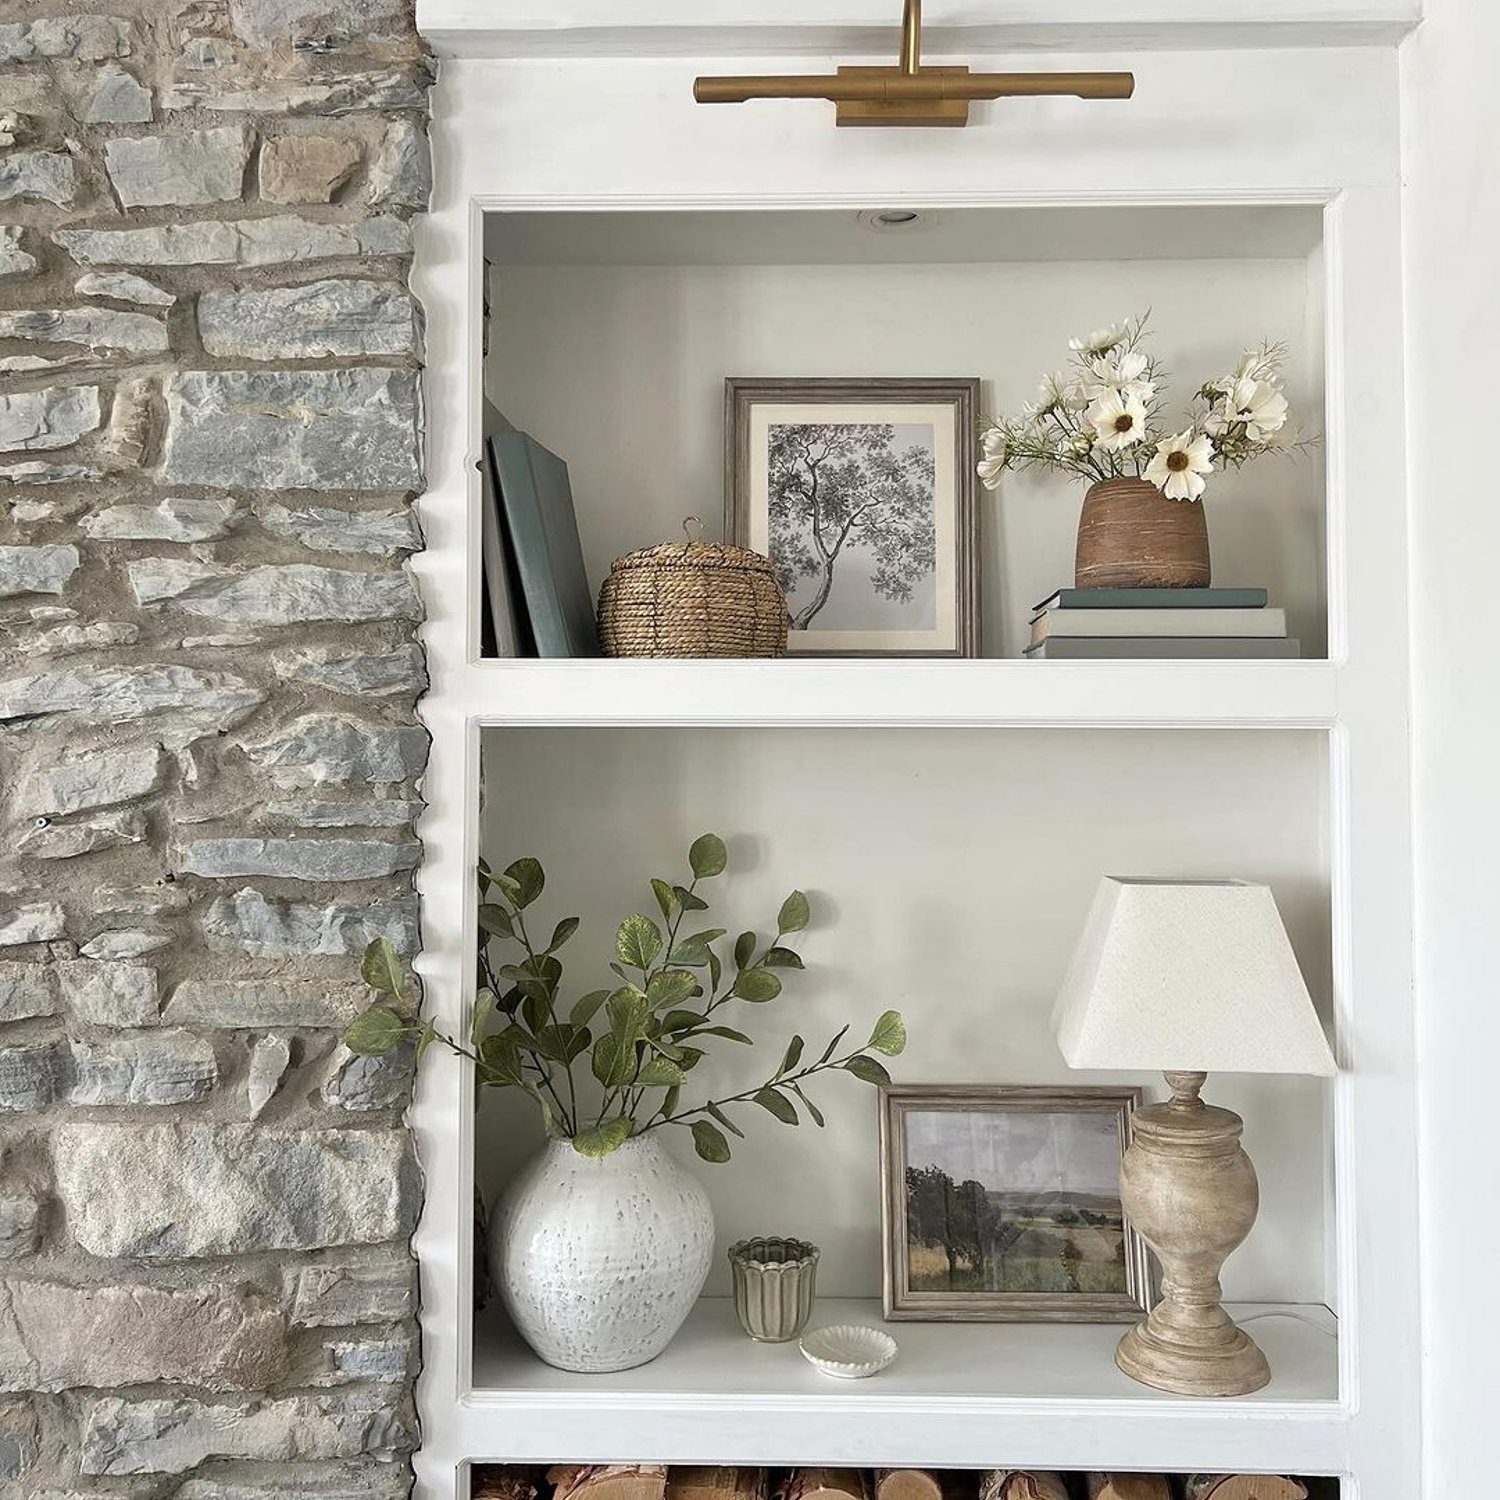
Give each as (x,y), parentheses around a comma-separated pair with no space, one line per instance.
(692,598)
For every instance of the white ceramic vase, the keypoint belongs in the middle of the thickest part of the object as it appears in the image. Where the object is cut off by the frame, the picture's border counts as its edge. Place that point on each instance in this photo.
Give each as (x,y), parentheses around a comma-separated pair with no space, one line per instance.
(599,1259)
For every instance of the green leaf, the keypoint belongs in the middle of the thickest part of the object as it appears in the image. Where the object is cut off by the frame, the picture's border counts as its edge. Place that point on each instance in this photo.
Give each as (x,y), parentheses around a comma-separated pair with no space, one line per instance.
(792,1057)
(509,888)
(693,951)
(687,900)
(728,1033)
(889,1035)
(795,913)
(561,933)
(381,969)
(527,878)
(495,920)
(586,1007)
(666,898)
(611,1063)
(782,958)
(659,1073)
(688,1058)
(679,1020)
(744,949)
(628,1009)
(600,1140)
(809,1106)
(501,1058)
(638,942)
(708,856)
(778,1104)
(710,1142)
(669,987)
(724,1120)
(560,1044)
(757,986)
(426,1036)
(832,1047)
(375,1033)
(484,1008)
(670,1098)
(867,1070)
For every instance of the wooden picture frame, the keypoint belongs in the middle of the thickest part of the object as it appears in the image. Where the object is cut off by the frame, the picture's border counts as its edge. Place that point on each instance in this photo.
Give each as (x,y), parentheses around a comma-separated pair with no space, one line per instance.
(1115,1105)
(917,441)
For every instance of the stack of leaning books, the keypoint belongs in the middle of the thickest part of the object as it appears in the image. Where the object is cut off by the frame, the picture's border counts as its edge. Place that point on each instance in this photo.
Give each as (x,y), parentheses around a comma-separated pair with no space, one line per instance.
(1092,624)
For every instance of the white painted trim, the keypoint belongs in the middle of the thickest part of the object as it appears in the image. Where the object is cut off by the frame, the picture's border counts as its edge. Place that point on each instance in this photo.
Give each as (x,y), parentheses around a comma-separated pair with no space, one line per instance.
(1336,120)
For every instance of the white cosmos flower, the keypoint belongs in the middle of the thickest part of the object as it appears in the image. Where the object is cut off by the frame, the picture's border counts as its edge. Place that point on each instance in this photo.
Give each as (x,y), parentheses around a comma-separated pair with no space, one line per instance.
(1179,464)
(990,470)
(1100,341)
(1118,419)
(1255,364)
(1123,372)
(993,442)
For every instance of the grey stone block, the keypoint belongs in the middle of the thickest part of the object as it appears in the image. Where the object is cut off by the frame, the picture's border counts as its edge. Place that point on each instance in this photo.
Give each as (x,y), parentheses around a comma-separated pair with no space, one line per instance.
(365,675)
(89,835)
(27,990)
(163,1067)
(50,175)
(109,695)
(123,287)
(86,38)
(170,520)
(242,1004)
(90,327)
(401,173)
(173,1437)
(15,259)
(30,922)
(20,1234)
(119,98)
(30,1076)
(109,994)
(278,240)
(341,1296)
(298,859)
(310,814)
(307,168)
(294,429)
(185,1191)
(37,570)
(310,96)
(335,750)
(125,943)
(269,1059)
(55,1337)
(360,1084)
(313,321)
(192,167)
(31,421)
(75,783)
(249,922)
(332,528)
(278,594)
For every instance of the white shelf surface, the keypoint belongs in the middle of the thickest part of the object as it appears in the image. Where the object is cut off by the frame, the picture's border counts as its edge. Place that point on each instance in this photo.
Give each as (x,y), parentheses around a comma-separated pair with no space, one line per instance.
(1274,694)
(959,1393)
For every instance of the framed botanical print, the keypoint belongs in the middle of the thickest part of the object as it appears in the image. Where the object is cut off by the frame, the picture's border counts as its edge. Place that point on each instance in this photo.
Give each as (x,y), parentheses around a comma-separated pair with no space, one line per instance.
(861,492)
(1003,1204)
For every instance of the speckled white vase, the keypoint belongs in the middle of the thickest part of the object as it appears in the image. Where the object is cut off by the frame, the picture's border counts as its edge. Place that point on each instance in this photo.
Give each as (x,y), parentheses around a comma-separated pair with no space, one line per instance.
(599,1260)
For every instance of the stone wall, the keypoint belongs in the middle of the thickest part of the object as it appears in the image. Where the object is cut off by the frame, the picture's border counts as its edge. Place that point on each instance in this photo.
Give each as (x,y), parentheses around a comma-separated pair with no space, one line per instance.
(209,445)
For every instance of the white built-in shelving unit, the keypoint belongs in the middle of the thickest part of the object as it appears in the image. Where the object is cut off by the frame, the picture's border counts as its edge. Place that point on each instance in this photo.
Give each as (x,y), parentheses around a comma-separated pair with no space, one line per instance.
(570,156)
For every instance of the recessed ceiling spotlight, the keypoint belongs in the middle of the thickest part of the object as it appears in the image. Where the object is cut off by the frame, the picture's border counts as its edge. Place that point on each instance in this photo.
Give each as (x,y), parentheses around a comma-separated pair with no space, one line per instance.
(884,220)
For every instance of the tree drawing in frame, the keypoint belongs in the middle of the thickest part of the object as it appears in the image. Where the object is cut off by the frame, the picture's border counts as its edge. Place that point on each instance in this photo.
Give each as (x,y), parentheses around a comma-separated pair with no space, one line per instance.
(837,490)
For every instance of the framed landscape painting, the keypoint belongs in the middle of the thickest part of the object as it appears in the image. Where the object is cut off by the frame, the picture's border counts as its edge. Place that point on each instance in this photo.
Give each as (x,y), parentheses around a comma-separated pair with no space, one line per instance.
(861,493)
(1003,1204)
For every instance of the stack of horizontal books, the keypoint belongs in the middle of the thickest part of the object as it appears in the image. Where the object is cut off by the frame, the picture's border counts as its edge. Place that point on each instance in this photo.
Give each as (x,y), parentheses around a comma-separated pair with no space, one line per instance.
(1092,624)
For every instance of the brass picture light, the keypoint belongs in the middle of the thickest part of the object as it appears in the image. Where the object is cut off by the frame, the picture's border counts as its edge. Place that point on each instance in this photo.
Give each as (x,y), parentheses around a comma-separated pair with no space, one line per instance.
(909,94)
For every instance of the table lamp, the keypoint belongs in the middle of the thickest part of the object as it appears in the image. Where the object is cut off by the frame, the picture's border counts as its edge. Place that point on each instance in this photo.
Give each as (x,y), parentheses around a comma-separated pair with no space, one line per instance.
(1190,977)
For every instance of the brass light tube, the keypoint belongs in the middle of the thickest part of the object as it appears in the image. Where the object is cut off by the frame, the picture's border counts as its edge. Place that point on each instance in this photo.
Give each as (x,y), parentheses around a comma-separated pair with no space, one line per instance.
(909,94)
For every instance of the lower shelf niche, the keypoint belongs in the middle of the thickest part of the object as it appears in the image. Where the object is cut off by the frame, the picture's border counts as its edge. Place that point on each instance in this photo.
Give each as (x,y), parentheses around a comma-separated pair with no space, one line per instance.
(661,1482)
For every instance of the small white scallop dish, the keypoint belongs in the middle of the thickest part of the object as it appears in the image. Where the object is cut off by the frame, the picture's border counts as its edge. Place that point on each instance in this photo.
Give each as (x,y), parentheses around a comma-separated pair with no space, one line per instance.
(848,1351)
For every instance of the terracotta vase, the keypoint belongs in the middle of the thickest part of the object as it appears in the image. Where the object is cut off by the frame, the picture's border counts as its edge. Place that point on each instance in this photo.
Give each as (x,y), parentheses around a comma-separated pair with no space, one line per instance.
(1130,536)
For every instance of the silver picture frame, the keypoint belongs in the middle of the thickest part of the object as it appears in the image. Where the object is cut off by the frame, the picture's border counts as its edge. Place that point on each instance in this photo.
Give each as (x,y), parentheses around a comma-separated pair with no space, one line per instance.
(903,1302)
(950,408)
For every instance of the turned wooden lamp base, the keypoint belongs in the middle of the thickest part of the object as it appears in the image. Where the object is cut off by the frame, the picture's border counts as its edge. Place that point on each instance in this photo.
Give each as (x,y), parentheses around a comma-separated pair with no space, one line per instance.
(1190,1190)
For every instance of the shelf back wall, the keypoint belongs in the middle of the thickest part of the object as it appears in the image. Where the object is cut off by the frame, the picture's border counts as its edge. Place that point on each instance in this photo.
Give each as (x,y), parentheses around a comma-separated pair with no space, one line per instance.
(619,368)
(950,872)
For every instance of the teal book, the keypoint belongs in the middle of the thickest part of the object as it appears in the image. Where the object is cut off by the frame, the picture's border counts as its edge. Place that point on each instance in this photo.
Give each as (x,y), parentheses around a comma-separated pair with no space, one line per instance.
(1163,648)
(1154,599)
(543,533)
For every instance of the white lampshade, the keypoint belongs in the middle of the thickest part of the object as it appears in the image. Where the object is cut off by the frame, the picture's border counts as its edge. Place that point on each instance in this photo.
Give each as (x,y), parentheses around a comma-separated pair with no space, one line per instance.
(1187,976)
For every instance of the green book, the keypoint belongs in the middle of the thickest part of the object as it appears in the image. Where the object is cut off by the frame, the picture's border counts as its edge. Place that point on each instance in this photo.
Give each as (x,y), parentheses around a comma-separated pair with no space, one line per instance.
(1159,647)
(1154,599)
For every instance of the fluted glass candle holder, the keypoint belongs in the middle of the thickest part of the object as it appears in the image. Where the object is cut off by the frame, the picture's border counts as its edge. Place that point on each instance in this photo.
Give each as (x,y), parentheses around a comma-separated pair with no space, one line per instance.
(774,1282)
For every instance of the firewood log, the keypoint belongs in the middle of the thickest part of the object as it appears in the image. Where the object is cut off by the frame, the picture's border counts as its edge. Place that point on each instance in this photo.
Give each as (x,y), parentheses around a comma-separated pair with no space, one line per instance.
(1021,1484)
(1129,1487)
(502,1482)
(824,1484)
(1243,1487)
(908,1484)
(686,1483)
(608,1481)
